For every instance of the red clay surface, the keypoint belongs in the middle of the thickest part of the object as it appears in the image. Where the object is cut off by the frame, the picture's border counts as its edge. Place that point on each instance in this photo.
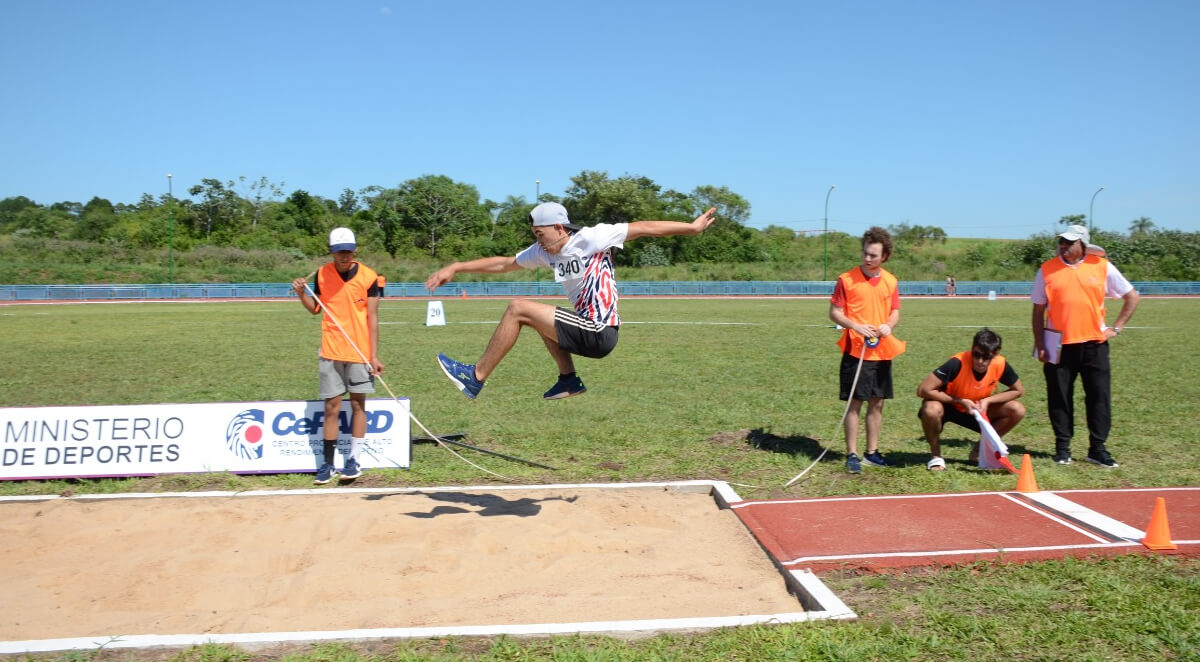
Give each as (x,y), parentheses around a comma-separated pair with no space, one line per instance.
(884,532)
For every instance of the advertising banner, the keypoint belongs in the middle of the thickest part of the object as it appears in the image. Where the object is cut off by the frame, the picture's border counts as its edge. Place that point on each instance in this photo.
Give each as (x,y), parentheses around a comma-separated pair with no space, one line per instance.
(237,437)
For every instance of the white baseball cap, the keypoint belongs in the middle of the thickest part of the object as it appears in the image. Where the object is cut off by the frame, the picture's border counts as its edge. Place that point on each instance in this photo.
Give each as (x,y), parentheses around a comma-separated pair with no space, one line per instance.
(1078,232)
(550,213)
(1075,233)
(341,239)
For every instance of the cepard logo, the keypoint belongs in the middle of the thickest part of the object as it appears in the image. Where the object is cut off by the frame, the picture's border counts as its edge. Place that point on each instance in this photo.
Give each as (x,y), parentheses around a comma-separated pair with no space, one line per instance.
(244,434)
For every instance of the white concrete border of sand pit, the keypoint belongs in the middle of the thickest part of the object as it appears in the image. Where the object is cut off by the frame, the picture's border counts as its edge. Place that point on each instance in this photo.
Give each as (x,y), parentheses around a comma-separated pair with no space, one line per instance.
(818,601)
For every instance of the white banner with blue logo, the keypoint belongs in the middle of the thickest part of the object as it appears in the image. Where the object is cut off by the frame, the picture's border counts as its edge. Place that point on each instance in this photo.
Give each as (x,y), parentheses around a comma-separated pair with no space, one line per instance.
(237,437)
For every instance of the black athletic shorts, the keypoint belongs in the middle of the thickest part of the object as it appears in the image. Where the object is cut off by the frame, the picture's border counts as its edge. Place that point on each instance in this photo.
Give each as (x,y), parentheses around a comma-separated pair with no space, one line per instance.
(580,335)
(875,380)
(951,414)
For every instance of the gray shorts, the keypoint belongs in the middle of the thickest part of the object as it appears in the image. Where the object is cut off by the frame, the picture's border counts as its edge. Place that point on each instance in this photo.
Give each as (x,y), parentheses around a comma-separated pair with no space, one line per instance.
(338,377)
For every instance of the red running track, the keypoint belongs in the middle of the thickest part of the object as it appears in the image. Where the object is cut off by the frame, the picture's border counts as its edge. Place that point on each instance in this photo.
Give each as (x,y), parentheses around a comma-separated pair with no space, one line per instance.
(878,533)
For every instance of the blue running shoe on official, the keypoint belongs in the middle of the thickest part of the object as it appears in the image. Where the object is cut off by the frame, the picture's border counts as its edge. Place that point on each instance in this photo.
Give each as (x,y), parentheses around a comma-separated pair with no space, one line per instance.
(565,387)
(877,459)
(853,465)
(351,470)
(462,374)
(324,474)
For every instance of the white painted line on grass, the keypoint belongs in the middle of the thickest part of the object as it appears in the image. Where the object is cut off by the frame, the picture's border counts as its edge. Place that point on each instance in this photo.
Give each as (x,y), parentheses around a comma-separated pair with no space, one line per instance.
(622,323)
(1026,326)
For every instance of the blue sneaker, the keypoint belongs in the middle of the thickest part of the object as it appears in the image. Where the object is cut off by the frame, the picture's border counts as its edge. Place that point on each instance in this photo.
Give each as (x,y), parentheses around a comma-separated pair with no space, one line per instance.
(462,374)
(877,459)
(351,470)
(853,465)
(565,387)
(324,474)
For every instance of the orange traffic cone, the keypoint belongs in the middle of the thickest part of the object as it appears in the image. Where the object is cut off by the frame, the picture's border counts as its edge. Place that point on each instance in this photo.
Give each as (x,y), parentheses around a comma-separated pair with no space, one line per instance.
(464,294)
(1026,482)
(1158,534)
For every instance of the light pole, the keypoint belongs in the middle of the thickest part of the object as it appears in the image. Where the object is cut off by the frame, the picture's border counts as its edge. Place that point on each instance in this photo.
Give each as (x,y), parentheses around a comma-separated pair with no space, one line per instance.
(170,230)
(825,269)
(538,195)
(1092,206)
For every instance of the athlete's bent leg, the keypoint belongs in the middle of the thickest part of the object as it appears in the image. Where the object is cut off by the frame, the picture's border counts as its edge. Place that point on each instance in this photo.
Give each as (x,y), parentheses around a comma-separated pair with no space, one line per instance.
(520,312)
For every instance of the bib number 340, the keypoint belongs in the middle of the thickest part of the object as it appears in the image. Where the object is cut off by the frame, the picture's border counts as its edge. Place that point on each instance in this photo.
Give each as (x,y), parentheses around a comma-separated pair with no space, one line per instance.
(568,269)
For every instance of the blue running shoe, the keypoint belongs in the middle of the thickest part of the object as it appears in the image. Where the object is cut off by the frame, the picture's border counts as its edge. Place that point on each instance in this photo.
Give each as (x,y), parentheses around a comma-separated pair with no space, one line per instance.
(351,470)
(324,474)
(853,465)
(565,387)
(877,459)
(462,374)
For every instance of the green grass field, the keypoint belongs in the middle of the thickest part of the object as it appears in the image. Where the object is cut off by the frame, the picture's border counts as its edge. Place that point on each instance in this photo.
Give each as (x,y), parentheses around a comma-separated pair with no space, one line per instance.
(736,390)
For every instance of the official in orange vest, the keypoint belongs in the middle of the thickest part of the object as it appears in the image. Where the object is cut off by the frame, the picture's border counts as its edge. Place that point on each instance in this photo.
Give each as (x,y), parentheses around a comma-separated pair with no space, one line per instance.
(1070,338)
(866,304)
(965,383)
(350,291)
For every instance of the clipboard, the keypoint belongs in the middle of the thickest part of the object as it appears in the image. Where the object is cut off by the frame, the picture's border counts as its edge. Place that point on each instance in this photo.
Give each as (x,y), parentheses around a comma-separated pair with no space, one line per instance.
(1052,342)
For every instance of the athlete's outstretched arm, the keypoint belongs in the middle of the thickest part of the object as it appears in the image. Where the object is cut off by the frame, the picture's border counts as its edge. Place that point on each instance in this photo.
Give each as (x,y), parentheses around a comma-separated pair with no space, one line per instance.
(484,265)
(671,228)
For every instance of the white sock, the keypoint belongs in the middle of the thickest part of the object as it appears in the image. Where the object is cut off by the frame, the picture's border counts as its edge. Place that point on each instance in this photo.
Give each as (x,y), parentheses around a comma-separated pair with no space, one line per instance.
(355,447)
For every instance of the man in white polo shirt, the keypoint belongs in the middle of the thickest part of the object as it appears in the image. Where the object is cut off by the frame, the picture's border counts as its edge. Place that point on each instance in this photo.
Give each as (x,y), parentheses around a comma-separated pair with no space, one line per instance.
(580,259)
(1071,338)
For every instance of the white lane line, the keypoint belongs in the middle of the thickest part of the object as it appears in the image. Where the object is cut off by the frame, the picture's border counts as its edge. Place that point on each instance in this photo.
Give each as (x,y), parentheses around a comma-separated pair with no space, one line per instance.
(952,552)
(820,500)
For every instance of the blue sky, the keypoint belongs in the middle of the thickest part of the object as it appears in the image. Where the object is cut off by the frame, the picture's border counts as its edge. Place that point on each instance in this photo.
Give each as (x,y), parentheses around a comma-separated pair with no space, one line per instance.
(987,119)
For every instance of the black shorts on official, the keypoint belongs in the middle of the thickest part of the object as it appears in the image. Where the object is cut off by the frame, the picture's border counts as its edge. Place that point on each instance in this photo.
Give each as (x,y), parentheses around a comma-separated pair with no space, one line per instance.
(875,380)
(580,335)
(951,414)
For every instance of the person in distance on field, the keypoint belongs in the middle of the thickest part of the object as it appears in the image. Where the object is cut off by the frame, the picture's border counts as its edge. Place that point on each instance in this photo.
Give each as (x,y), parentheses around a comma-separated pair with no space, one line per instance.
(351,292)
(580,259)
(866,303)
(965,383)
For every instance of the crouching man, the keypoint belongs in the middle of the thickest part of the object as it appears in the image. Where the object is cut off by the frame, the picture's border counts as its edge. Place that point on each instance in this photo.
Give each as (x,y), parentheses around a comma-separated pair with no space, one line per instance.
(965,383)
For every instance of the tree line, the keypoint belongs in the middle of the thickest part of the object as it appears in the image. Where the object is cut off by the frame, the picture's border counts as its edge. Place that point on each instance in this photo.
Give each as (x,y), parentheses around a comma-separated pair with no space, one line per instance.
(433,217)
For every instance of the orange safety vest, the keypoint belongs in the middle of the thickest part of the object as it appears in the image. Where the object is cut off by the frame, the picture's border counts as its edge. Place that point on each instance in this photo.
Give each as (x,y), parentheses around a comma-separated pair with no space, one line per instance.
(868,303)
(1075,298)
(346,301)
(965,386)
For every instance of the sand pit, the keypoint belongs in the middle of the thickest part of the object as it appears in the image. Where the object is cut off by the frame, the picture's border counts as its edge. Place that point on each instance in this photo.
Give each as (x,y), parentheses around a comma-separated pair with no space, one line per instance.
(341,560)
